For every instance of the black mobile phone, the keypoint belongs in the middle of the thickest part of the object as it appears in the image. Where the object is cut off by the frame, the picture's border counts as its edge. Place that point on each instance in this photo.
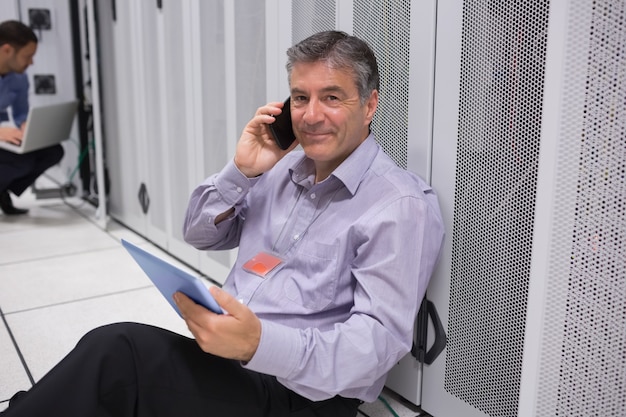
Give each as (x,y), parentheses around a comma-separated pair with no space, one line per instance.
(281,129)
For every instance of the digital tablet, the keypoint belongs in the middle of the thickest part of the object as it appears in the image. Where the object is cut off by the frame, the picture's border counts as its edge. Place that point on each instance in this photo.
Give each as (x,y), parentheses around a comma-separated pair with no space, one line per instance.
(170,279)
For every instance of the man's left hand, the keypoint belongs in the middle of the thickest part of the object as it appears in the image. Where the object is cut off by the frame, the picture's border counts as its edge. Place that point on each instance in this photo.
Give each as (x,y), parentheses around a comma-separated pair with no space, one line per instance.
(234,335)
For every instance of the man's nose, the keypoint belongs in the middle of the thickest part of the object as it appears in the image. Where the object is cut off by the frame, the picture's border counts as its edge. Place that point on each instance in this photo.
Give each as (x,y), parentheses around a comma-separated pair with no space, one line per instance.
(313,112)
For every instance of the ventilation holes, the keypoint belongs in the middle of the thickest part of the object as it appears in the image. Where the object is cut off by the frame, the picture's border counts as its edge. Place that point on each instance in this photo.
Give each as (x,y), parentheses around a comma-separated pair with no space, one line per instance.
(311,16)
(588,378)
(385,25)
(502,78)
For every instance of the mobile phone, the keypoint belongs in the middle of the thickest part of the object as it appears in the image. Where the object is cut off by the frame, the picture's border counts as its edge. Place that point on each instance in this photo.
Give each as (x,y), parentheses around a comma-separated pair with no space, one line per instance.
(281,129)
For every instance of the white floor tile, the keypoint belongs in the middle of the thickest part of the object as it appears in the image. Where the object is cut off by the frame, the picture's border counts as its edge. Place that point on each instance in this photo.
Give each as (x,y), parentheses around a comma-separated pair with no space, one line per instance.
(46,214)
(44,282)
(52,239)
(46,335)
(120,232)
(13,377)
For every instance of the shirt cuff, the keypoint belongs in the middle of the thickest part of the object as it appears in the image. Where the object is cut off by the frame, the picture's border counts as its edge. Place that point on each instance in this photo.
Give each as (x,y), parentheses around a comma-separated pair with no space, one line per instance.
(232,184)
(277,353)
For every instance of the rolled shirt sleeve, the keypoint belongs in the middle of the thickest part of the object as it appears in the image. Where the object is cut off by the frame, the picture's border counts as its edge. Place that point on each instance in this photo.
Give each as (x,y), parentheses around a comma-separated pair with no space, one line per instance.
(217,194)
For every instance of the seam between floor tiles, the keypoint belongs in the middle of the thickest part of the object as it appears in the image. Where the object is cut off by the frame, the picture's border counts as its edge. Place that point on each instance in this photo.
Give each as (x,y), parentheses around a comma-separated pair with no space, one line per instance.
(76,300)
(59,255)
(17,349)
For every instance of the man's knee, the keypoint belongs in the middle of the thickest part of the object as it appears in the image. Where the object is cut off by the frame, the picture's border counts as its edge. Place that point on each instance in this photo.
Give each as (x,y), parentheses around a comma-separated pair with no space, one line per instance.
(110,336)
(54,154)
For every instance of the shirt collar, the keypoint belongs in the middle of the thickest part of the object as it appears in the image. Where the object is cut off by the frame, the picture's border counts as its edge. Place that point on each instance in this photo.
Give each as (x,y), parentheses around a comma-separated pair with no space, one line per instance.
(350,172)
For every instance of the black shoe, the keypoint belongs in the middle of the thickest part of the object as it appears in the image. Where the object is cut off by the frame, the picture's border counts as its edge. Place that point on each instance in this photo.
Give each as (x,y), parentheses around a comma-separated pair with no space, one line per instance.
(7,205)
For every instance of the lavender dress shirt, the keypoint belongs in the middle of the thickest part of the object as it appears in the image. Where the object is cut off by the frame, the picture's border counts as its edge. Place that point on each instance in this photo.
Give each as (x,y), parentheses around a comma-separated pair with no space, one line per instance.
(357,252)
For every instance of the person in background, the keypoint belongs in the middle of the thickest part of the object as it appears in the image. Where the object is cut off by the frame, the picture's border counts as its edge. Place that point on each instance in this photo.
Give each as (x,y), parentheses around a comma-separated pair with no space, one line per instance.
(18,45)
(336,245)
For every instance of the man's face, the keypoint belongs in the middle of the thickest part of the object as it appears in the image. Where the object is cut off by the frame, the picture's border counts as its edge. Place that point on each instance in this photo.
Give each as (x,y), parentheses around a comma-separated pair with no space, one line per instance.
(22,58)
(328,118)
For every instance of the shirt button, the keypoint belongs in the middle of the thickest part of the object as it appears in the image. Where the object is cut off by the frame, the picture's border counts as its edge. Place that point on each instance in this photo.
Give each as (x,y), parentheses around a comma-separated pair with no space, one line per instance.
(296,236)
(313,196)
(239,189)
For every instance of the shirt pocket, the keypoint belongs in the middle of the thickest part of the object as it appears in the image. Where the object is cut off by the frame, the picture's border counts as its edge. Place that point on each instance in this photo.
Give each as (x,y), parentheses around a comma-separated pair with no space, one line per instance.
(312,283)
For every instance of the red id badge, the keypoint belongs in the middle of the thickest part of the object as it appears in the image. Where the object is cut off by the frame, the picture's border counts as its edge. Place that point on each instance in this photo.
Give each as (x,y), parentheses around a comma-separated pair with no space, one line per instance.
(262,263)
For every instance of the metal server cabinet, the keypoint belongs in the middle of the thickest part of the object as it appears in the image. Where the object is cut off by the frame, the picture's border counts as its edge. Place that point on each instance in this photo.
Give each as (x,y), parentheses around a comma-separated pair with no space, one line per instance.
(180,80)
(515,111)
(529,160)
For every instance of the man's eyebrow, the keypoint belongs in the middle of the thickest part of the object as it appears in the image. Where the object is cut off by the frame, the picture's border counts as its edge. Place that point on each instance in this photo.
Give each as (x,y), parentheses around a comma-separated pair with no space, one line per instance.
(328,89)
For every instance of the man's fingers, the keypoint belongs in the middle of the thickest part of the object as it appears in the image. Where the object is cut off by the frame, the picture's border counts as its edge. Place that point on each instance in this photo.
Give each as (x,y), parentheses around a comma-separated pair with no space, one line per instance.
(270,108)
(186,305)
(11,135)
(227,301)
(183,303)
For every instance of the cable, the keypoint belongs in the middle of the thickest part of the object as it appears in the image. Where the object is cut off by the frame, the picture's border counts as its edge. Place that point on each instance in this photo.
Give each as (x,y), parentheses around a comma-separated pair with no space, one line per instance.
(81,157)
(384,401)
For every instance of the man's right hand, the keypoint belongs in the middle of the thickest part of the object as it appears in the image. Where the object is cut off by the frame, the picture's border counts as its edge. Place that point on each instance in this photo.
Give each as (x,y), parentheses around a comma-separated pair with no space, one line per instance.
(256,150)
(11,134)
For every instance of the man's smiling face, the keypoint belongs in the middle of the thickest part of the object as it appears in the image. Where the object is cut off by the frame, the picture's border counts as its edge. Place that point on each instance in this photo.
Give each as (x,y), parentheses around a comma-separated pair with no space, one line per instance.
(328,117)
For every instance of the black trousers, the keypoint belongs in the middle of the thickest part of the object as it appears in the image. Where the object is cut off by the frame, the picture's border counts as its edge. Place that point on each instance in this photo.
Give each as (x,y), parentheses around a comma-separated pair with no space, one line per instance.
(19,171)
(131,369)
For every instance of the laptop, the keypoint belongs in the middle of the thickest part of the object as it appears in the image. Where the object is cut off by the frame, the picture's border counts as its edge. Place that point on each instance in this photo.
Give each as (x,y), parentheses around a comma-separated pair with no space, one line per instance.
(45,126)
(170,279)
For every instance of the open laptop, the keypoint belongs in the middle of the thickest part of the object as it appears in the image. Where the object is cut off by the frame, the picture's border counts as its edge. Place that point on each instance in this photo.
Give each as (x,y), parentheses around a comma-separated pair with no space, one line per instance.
(45,126)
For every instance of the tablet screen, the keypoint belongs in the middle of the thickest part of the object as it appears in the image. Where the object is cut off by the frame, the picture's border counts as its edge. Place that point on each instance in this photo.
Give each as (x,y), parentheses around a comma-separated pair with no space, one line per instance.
(170,279)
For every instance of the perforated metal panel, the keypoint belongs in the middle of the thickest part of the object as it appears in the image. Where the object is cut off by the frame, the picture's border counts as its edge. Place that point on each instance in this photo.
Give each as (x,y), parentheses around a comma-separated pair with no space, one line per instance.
(311,16)
(588,294)
(502,78)
(385,25)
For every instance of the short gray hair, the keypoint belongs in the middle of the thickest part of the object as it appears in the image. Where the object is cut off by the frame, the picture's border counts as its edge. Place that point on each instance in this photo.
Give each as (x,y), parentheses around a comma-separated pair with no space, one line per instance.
(340,51)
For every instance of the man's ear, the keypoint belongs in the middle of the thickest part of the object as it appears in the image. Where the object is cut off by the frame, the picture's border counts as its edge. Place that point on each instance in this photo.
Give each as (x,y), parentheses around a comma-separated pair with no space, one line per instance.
(371,104)
(6,49)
